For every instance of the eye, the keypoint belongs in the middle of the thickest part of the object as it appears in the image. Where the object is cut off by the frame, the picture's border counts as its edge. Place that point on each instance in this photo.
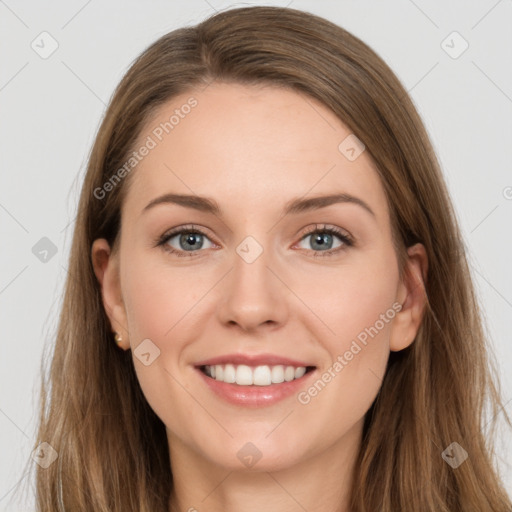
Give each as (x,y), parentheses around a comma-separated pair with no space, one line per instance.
(322,239)
(189,240)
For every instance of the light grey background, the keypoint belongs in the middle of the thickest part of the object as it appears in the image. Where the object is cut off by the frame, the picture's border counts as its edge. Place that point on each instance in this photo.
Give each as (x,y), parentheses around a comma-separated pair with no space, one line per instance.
(51,109)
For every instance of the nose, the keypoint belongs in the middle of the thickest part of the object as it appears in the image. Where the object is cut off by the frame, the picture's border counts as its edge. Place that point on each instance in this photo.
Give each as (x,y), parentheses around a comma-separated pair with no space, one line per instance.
(254,295)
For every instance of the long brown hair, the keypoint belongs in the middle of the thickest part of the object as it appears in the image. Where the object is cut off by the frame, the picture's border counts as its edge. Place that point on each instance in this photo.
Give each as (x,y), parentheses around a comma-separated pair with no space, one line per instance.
(112,448)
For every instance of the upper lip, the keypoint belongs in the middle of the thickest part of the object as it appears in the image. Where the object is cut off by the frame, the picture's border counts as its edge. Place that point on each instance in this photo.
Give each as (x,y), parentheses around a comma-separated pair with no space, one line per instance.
(252,360)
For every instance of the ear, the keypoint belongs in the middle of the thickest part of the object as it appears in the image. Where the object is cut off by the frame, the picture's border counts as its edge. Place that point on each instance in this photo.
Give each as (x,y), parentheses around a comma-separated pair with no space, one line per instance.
(413,298)
(106,268)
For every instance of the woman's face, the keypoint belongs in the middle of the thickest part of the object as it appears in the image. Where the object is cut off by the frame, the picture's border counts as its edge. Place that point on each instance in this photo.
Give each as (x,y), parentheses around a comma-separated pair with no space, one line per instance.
(262,283)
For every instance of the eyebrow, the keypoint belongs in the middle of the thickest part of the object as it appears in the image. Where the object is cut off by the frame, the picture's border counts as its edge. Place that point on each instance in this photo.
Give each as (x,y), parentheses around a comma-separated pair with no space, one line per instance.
(295,206)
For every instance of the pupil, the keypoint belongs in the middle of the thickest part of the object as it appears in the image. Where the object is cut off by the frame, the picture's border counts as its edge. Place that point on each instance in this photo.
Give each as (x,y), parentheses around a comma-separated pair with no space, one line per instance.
(321,239)
(190,239)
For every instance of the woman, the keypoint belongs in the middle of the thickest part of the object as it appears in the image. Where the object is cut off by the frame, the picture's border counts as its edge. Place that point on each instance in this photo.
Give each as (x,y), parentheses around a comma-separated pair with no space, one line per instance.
(265,233)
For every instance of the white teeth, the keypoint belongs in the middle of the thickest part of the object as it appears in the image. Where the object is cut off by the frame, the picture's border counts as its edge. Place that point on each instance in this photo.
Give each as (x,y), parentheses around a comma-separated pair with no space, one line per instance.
(264,375)
(229,374)
(278,374)
(289,373)
(299,372)
(243,375)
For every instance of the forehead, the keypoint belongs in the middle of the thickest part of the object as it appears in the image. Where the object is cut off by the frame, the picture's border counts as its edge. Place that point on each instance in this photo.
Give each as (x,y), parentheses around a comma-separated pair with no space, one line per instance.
(252,149)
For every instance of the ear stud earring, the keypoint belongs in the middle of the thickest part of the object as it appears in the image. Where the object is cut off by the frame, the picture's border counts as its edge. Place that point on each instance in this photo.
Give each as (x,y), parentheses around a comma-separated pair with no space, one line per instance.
(118,338)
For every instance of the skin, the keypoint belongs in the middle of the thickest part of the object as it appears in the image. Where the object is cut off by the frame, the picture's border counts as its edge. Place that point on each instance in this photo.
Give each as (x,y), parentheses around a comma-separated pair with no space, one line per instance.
(253,149)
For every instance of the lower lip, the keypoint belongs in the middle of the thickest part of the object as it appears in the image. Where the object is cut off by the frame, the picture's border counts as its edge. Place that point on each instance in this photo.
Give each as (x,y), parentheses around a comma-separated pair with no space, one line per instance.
(255,396)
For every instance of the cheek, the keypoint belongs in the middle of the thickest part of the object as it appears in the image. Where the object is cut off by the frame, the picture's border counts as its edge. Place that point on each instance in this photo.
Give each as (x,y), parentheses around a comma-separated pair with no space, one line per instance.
(350,300)
(356,303)
(360,312)
(366,310)
(158,305)
(158,298)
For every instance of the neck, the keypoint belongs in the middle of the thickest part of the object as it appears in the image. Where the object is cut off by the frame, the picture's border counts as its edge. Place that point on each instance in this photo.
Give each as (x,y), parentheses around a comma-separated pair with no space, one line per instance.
(320,482)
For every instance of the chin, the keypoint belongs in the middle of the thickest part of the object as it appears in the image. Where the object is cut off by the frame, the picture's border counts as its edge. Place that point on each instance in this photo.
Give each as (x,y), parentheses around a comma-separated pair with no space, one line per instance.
(258,455)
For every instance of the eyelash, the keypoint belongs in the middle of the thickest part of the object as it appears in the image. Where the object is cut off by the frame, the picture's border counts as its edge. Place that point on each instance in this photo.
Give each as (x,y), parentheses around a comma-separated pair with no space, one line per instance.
(331,230)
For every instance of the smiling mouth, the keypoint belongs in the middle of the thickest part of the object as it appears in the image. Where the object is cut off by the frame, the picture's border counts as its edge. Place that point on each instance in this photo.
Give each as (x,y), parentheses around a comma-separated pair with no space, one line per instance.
(263,375)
